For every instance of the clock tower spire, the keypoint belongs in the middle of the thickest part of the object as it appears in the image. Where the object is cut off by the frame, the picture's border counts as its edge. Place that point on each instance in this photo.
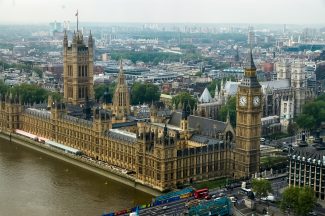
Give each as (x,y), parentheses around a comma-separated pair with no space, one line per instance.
(248,129)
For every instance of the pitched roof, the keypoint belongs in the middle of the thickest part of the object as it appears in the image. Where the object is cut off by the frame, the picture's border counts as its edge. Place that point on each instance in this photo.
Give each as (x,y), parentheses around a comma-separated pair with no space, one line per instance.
(276,84)
(232,87)
(204,140)
(205,97)
(206,126)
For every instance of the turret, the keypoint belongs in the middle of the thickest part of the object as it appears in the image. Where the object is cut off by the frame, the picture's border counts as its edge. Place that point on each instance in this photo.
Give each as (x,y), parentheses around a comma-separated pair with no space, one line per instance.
(185,114)
(57,110)
(153,113)
(102,120)
(13,108)
(90,41)
(49,102)
(65,41)
(74,39)
(217,94)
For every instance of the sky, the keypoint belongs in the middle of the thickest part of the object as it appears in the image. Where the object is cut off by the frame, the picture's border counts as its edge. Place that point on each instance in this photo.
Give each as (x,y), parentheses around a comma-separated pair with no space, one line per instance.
(165,11)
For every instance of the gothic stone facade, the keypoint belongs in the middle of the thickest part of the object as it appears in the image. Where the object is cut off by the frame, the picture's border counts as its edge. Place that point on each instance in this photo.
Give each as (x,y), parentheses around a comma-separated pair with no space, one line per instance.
(161,155)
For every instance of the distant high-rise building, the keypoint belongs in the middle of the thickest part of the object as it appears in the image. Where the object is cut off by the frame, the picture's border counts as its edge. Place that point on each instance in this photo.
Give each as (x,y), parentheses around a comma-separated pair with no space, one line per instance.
(251,36)
(284,30)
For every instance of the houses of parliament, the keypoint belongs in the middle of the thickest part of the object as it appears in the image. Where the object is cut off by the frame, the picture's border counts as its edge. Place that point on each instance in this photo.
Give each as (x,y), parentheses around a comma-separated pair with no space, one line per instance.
(166,149)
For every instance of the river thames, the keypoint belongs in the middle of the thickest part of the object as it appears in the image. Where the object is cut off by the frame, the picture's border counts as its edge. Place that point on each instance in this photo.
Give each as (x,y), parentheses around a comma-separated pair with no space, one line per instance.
(32,183)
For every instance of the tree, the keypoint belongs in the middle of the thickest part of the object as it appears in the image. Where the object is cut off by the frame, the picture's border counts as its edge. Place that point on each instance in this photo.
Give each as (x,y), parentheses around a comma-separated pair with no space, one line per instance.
(321,97)
(3,88)
(289,198)
(152,57)
(300,200)
(199,74)
(99,90)
(212,86)
(261,187)
(306,201)
(231,108)
(56,96)
(30,93)
(313,114)
(292,128)
(39,71)
(144,93)
(179,100)
(306,121)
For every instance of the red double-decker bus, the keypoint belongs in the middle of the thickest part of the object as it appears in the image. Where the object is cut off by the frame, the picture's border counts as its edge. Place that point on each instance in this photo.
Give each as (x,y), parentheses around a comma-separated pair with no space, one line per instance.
(201,193)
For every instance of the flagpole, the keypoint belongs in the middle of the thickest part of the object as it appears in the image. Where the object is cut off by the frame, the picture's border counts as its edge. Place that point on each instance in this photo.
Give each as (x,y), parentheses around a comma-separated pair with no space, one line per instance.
(77,14)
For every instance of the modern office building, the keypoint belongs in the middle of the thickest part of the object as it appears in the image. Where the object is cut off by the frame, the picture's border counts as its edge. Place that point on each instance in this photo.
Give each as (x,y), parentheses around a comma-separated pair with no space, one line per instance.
(307,166)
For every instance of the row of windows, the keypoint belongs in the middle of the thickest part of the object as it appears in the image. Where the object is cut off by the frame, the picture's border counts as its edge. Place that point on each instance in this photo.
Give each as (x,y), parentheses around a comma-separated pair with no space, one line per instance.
(82,70)
(82,92)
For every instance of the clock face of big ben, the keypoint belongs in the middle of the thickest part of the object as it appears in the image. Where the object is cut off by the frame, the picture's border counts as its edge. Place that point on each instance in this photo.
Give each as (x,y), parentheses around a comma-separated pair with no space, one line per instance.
(242,100)
(256,101)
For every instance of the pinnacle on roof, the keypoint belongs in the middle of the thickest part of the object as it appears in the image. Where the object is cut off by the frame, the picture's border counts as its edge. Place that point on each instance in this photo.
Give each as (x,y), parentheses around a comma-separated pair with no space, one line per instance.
(121,66)
(250,61)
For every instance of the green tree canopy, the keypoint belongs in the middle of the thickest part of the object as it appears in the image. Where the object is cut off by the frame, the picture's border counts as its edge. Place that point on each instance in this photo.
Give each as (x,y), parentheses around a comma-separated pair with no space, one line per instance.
(153,57)
(56,96)
(100,89)
(313,114)
(144,93)
(179,99)
(292,128)
(231,108)
(261,187)
(300,200)
(3,88)
(199,74)
(30,93)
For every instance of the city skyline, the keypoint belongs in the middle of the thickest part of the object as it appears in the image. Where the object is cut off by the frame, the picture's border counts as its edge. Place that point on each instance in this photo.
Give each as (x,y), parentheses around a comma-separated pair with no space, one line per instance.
(164,11)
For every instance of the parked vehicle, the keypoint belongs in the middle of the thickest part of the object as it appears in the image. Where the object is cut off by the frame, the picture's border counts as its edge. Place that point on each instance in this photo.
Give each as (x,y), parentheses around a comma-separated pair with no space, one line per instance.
(201,193)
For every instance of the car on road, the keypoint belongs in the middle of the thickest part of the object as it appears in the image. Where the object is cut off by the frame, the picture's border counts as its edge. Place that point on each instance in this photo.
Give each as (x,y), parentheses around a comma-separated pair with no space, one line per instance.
(270,198)
(165,207)
(233,199)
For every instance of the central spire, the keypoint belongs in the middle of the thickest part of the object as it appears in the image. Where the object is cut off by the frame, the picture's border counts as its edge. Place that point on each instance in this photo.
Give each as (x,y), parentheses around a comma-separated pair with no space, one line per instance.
(77,15)
(250,62)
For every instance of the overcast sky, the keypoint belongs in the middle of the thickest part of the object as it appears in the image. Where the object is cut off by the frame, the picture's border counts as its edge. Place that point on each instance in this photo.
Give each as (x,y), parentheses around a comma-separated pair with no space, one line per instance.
(168,11)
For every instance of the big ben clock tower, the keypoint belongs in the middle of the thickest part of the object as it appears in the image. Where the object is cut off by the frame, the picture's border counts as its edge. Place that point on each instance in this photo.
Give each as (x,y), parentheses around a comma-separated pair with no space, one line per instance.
(248,129)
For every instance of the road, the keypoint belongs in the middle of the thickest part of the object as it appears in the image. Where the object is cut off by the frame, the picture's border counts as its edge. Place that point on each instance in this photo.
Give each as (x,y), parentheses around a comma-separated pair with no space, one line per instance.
(173,208)
(178,207)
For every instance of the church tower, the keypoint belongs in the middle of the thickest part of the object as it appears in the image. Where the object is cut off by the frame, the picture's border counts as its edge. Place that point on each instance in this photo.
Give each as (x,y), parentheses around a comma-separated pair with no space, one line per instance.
(298,84)
(248,130)
(121,99)
(78,69)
